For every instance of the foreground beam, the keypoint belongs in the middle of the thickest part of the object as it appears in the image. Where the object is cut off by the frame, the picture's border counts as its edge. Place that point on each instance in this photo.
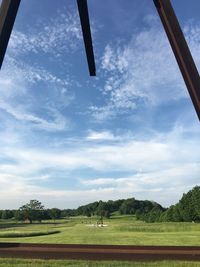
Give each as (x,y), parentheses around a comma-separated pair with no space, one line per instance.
(85,24)
(99,252)
(8,12)
(181,50)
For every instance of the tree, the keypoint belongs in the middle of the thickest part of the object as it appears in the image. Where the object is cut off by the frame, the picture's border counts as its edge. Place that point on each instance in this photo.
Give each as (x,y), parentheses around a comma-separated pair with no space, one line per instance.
(68,212)
(87,212)
(19,215)
(154,215)
(103,210)
(186,207)
(196,202)
(7,214)
(32,211)
(128,206)
(55,213)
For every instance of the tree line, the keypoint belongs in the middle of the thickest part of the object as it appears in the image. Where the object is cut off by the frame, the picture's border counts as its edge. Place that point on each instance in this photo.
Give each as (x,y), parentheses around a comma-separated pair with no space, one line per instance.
(32,211)
(35,211)
(186,210)
(129,206)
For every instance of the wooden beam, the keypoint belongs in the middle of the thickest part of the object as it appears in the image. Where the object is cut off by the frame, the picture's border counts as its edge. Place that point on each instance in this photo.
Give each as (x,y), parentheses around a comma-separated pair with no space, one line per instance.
(85,25)
(181,50)
(8,12)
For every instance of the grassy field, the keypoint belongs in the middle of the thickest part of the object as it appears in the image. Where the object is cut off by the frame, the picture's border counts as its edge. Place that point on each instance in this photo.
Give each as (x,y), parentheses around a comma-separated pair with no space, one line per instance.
(124,230)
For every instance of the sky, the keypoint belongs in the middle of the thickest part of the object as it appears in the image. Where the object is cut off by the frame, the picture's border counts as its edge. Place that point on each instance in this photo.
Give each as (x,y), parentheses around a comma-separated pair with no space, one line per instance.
(68,139)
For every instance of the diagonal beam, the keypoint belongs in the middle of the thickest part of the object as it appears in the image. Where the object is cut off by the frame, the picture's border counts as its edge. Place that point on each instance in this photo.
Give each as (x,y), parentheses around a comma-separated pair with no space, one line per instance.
(85,24)
(8,12)
(181,50)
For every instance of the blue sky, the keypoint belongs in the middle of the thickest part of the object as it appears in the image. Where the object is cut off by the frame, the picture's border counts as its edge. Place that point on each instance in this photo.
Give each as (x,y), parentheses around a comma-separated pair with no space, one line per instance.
(68,139)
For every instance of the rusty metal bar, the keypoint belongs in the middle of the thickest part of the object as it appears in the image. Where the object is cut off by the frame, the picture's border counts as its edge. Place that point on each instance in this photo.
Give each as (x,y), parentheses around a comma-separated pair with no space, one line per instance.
(181,50)
(99,252)
(8,12)
(85,24)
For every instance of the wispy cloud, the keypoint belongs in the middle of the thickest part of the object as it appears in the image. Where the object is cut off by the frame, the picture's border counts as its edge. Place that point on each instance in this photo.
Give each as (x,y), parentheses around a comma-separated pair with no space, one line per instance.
(56,36)
(157,153)
(160,164)
(102,163)
(99,136)
(152,181)
(58,121)
(19,77)
(18,101)
(143,72)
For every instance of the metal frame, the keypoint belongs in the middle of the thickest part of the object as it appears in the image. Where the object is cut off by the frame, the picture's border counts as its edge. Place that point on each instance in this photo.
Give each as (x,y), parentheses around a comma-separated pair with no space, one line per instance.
(85,25)
(99,252)
(8,13)
(181,50)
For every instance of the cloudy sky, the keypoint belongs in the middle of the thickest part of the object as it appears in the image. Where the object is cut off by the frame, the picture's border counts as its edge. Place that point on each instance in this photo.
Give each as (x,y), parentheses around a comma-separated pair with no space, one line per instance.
(68,139)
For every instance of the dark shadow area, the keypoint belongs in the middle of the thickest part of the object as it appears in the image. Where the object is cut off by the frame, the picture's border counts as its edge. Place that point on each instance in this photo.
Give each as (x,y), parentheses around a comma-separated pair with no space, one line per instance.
(9,245)
(12,225)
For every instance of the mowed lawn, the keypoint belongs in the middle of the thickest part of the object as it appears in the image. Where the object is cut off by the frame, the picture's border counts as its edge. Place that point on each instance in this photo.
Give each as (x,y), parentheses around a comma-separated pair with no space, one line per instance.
(124,230)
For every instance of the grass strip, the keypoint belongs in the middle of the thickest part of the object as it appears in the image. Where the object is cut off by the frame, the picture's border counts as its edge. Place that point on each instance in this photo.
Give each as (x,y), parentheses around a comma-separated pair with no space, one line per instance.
(26,234)
(74,263)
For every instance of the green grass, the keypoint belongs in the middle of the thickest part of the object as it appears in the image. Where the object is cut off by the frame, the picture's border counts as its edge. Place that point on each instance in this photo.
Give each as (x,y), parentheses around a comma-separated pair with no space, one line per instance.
(59,263)
(124,230)
(15,234)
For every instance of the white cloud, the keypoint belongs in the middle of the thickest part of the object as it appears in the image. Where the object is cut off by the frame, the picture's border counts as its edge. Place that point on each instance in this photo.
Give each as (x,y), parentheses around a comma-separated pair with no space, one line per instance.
(58,35)
(144,71)
(100,182)
(20,76)
(66,198)
(58,121)
(162,165)
(192,32)
(104,135)
(152,155)
(17,74)
(176,176)
(104,112)
(162,168)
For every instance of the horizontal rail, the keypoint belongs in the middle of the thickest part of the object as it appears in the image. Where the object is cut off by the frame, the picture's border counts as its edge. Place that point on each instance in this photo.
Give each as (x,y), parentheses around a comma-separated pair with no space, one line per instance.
(98,252)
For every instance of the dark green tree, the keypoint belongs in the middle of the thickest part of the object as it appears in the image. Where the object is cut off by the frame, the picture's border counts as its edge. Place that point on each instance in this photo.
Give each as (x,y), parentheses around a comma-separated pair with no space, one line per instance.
(7,214)
(87,212)
(19,215)
(55,213)
(32,211)
(103,210)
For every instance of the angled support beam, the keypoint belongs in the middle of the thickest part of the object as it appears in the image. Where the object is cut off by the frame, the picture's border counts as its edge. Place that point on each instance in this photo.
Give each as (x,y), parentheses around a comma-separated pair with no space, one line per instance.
(85,24)
(8,12)
(181,50)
